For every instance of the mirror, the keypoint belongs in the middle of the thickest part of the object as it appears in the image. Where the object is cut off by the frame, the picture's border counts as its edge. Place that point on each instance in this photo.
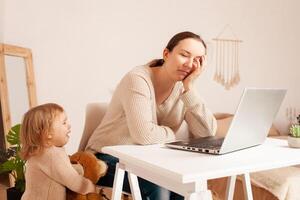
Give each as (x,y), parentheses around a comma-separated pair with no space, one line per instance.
(17,87)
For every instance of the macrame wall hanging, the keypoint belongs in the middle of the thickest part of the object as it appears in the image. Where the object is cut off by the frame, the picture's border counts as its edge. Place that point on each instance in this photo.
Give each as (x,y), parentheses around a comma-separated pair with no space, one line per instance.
(293,115)
(227,59)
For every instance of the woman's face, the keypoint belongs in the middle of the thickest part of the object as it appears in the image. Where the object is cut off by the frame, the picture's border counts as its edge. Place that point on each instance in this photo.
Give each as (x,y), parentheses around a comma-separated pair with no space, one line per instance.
(182,60)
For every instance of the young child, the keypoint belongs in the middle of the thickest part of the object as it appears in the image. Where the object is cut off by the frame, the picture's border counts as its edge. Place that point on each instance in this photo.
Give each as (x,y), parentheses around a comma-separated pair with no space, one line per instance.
(45,130)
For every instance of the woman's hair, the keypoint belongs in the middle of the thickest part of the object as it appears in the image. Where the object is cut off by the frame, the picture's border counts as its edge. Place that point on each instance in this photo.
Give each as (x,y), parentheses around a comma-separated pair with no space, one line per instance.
(174,42)
(37,123)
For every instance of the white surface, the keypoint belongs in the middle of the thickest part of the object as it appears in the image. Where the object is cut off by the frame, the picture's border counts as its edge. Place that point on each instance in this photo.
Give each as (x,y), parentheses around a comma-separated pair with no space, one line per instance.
(81,49)
(230,187)
(253,118)
(134,186)
(2,8)
(187,167)
(247,186)
(118,181)
(197,190)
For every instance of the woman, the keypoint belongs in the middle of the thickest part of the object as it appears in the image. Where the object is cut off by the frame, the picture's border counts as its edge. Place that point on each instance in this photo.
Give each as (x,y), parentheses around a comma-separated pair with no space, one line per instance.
(151,102)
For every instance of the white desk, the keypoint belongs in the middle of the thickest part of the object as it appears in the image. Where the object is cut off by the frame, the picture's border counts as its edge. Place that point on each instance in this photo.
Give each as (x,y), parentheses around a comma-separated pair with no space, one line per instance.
(187,173)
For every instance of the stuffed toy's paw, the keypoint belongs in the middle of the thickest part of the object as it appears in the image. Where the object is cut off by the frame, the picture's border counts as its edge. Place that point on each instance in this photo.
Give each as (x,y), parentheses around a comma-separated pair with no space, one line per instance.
(93,169)
(91,196)
(94,196)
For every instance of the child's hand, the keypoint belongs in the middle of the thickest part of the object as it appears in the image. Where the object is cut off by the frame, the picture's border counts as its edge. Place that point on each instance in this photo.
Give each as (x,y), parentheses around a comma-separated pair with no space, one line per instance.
(78,168)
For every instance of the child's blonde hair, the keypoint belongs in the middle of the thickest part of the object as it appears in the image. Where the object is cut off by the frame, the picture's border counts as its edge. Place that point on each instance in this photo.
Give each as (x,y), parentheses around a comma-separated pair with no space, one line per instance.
(37,123)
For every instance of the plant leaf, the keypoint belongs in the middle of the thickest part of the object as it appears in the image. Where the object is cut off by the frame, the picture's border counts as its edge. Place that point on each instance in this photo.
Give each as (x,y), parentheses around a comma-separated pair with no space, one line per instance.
(7,166)
(19,163)
(20,185)
(14,164)
(13,136)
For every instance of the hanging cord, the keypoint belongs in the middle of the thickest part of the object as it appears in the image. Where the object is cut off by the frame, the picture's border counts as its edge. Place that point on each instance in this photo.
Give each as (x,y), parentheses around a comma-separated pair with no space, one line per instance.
(227,26)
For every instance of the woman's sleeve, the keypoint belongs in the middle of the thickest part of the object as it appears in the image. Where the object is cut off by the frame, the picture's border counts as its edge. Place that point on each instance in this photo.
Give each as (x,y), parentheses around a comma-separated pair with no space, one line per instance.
(138,106)
(61,171)
(200,119)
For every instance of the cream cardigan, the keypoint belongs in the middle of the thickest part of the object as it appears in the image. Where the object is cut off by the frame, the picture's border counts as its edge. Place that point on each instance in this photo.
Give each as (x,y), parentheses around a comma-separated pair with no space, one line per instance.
(133,117)
(48,175)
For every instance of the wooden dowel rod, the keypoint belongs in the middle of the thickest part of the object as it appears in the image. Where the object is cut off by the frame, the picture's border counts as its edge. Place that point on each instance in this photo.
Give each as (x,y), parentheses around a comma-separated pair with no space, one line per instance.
(229,40)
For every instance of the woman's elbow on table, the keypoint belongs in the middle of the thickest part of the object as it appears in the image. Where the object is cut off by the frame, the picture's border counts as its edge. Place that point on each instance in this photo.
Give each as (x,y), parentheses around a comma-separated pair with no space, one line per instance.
(150,135)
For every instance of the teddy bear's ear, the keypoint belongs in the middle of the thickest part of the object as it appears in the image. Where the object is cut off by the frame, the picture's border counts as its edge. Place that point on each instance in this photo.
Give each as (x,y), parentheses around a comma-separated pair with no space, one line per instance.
(103,167)
(75,157)
(73,161)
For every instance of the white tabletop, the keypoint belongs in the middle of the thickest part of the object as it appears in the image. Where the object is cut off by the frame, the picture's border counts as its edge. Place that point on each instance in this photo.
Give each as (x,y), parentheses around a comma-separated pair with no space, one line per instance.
(187,167)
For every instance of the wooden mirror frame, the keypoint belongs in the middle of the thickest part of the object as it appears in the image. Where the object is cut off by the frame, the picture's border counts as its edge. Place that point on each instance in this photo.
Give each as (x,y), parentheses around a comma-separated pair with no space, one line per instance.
(21,52)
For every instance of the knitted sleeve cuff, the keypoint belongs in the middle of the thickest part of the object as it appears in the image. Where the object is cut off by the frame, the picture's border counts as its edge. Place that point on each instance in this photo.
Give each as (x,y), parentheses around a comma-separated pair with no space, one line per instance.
(190,98)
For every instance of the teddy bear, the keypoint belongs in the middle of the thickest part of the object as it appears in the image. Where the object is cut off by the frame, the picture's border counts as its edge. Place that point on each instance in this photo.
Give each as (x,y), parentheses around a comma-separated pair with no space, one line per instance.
(91,168)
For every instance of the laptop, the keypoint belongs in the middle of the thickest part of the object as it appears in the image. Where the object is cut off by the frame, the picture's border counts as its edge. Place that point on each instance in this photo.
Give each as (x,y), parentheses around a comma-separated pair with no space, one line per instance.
(249,127)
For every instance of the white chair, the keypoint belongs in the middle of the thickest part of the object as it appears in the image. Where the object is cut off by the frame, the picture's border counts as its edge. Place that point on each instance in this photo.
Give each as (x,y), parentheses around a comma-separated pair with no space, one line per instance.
(94,114)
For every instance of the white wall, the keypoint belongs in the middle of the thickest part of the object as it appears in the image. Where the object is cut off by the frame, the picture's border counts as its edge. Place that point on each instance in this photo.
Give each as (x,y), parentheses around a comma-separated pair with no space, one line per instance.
(81,49)
(1,20)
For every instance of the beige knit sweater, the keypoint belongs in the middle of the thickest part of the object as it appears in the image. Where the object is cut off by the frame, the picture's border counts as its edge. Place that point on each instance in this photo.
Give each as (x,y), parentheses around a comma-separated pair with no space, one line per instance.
(48,175)
(133,117)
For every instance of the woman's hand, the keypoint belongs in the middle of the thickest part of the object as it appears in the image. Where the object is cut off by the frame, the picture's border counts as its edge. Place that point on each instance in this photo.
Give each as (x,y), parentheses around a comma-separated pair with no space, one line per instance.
(188,81)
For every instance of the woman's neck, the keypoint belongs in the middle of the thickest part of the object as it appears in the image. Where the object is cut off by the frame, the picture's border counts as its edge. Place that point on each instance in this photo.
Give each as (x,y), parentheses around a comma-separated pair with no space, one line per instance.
(162,83)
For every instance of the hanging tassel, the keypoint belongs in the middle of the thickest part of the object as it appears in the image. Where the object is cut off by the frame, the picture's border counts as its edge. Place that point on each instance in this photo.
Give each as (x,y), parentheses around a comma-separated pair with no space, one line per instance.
(227,62)
(227,59)
(217,71)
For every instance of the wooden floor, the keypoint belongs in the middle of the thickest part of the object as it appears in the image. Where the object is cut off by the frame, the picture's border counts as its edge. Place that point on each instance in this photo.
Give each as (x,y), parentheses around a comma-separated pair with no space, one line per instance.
(3,186)
(108,191)
(2,192)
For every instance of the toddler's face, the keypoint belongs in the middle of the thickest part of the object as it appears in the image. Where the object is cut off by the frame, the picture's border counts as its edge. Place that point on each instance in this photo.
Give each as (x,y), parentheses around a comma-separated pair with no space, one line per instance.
(61,129)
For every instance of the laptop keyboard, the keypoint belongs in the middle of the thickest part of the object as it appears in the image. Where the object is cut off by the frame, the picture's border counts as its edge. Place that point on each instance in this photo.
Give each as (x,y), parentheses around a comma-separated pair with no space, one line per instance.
(208,144)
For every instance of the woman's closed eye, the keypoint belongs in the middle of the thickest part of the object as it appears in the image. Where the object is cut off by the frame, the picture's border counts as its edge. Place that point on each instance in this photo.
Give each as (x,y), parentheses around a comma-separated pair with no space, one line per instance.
(184,55)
